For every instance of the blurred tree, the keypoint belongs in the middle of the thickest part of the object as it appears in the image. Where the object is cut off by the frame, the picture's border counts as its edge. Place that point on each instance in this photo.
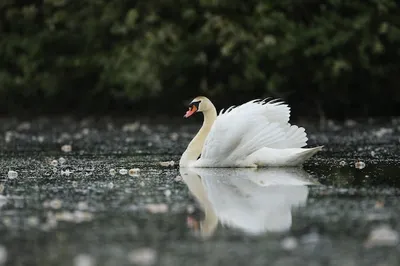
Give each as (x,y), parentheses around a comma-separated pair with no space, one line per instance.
(326,58)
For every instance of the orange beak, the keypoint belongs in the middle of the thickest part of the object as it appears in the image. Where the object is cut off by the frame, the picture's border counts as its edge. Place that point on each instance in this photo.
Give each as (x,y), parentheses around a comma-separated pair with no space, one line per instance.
(191,111)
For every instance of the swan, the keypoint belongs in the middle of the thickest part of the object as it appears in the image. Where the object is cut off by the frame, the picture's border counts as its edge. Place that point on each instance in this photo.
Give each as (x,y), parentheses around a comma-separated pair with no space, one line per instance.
(255,201)
(254,134)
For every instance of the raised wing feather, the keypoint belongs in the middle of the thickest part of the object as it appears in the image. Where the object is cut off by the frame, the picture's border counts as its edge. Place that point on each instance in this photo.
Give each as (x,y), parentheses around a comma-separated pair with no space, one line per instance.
(240,131)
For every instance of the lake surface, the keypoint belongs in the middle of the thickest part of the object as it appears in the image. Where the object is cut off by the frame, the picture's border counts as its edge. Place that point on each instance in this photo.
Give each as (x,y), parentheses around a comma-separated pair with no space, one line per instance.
(76,205)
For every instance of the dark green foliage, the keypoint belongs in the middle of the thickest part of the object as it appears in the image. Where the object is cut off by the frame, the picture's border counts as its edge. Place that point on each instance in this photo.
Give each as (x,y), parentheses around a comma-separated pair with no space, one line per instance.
(331,56)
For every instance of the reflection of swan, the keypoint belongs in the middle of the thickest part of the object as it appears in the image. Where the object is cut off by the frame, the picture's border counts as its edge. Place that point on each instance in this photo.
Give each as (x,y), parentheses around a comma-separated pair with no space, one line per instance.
(254,134)
(255,201)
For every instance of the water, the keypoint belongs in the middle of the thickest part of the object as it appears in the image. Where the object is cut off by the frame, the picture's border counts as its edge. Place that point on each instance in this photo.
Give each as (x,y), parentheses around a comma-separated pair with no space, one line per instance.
(67,207)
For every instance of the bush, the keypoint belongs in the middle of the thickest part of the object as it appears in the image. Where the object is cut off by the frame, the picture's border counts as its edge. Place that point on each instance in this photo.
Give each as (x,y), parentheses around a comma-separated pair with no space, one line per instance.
(324,57)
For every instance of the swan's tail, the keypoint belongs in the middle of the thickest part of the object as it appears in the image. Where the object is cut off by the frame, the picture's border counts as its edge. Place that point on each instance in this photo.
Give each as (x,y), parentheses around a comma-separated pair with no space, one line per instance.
(282,157)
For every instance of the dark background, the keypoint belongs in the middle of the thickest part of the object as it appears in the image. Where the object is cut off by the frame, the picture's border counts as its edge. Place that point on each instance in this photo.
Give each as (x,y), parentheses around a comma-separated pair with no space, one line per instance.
(330,59)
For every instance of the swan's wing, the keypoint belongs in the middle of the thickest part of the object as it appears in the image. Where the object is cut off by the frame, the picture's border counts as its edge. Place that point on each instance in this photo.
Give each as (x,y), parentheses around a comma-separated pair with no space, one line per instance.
(240,131)
(274,110)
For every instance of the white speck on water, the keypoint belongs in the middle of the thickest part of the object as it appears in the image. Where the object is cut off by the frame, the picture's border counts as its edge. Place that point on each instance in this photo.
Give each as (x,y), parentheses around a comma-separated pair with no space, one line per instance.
(167,193)
(24,126)
(8,136)
(178,178)
(110,185)
(359,165)
(157,208)
(40,139)
(142,184)
(131,127)
(3,255)
(310,238)
(145,129)
(83,260)
(350,123)
(112,172)
(12,174)
(289,243)
(66,172)
(143,256)
(55,204)
(83,205)
(372,153)
(54,162)
(32,221)
(123,171)
(382,235)
(342,163)
(382,131)
(174,136)
(134,172)
(66,148)
(61,160)
(190,209)
(74,184)
(165,164)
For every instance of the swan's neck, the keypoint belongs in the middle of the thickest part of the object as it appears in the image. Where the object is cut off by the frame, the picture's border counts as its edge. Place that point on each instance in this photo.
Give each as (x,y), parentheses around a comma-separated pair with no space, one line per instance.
(196,145)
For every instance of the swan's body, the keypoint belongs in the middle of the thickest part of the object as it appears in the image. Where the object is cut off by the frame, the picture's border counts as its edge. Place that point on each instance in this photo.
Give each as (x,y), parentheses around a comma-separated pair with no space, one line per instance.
(254,134)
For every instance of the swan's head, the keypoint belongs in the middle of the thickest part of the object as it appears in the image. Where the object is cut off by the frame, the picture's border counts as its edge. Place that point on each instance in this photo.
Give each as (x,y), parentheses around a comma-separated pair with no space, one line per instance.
(198,104)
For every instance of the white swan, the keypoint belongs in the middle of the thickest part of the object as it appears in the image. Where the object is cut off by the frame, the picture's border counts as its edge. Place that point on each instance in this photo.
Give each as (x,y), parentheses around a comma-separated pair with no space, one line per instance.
(254,134)
(253,201)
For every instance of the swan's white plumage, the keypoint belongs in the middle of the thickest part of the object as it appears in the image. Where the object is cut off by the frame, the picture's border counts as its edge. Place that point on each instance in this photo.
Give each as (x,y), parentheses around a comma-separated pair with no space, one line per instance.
(241,131)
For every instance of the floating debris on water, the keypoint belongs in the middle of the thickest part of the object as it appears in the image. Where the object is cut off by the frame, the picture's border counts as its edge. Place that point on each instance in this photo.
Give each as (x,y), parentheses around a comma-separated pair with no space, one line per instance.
(83,205)
(113,172)
(157,208)
(66,172)
(145,129)
(3,255)
(131,127)
(190,209)
(143,256)
(134,171)
(167,193)
(170,163)
(32,221)
(350,123)
(359,165)
(66,148)
(24,126)
(289,243)
(61,160)
(76,216)
(83,260)
(342,163)
(8,136)
(310,238)
(55,204)
(54,162)
(110,185)
(382,236)
(178,178)
(12,174)
(174,136)
(123,171)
